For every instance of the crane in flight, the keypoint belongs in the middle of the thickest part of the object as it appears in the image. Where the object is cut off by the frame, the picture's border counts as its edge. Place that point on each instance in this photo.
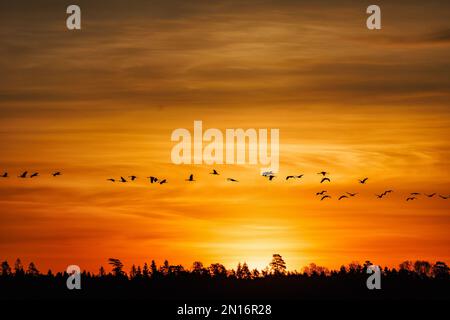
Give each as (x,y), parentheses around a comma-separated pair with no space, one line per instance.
(23,175)
(294,177)
(325,179)
(152,179)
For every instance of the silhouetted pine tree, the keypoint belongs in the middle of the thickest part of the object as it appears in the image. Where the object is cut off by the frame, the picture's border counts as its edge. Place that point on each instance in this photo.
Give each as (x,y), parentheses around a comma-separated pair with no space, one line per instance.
(277,266)
(32,270)
(145,271)
(6,269)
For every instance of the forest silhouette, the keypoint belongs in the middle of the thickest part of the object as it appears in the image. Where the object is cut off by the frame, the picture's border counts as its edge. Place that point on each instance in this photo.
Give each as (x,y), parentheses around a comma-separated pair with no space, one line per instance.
(411,280)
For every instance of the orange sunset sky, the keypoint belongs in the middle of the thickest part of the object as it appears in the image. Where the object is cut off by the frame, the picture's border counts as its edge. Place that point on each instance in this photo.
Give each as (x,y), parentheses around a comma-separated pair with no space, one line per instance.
(102,102)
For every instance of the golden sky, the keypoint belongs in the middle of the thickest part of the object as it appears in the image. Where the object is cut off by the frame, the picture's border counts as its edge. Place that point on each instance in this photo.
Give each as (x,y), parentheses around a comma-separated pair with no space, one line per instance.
(102,102)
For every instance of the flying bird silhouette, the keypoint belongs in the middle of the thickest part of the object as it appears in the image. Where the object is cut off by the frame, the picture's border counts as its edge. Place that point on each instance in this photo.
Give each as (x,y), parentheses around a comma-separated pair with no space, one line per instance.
(430,195)
(323,173)
(132,178)
(214,172)
(191,178)
(321,193)
(5,175)
(152,179)
(363,181)
(232,180)
(380,195)
(414,193)
(57,173)
(122,179)
(34,175)
(325,179)
(111,179)
(444,197)
(270,177)
(294,177)
(23,175)
(411,198)
(163,181)
(351,194)
(325,196)
(342,197)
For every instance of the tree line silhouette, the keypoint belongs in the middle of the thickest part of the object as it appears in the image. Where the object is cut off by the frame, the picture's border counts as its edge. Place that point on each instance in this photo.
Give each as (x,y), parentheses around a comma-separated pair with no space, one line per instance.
(417,280)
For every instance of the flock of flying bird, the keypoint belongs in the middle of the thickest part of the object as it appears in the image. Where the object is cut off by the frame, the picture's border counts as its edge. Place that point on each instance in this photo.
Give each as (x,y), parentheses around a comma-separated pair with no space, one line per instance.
(268,175)
(24,174)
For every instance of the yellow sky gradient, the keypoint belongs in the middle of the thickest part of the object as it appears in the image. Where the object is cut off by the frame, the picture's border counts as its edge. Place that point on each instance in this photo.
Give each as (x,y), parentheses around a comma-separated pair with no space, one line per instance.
(102,102)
